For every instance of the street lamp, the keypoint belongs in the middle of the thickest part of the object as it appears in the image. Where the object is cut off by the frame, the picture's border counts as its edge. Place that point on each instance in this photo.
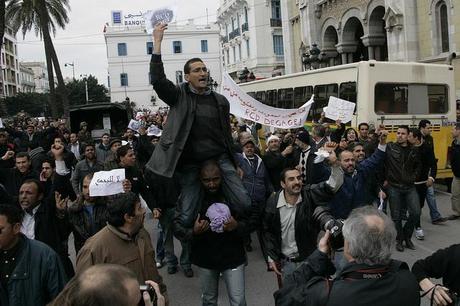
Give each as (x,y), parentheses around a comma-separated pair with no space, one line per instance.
(85,79)
(73,68)
(314,58)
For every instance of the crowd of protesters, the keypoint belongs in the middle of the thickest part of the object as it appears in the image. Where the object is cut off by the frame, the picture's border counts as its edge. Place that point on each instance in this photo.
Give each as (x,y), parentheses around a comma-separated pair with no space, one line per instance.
(211,183)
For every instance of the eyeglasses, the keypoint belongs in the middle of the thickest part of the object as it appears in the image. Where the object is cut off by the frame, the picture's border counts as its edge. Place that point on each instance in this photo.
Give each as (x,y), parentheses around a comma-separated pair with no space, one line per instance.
(204,69)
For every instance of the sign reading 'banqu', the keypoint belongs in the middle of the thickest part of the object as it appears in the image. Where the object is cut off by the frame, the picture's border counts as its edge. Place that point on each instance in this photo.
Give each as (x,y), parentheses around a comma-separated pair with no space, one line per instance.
(132,19)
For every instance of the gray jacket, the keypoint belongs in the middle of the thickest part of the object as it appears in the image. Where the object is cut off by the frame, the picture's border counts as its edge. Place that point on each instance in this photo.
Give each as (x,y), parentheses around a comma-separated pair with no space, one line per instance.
(181,115)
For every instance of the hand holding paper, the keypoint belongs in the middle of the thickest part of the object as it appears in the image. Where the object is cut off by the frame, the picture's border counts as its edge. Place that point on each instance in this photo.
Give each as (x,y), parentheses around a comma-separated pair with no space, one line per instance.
(105,183)
(339,109)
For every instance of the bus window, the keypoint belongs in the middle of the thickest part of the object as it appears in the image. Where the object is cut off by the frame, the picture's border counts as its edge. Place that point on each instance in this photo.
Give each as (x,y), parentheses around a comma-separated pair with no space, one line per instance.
(261,96)
(302,95)
(252,94)
(286,98)
(391,98)
(272,98)
(322,94)
(348,91)
(438,99)
(399,98)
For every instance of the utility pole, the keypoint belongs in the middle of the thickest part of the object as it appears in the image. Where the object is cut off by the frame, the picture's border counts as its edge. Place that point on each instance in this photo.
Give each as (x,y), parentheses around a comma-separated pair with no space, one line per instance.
(86,85)
(73,68)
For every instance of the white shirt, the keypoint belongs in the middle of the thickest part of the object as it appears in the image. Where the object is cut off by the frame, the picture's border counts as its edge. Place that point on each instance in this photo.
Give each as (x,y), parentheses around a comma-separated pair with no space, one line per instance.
(287,218)
(28,224)
(75,149)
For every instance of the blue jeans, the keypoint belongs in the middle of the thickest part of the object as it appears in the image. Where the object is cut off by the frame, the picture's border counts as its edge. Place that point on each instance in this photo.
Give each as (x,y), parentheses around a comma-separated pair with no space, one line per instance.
(404,200)
(192,192)
(431,201)
(288,267)
(234,281)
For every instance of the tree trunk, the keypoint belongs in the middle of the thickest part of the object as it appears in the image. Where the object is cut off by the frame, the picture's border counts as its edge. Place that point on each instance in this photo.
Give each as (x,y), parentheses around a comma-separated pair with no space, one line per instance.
(44,22)
(61,85)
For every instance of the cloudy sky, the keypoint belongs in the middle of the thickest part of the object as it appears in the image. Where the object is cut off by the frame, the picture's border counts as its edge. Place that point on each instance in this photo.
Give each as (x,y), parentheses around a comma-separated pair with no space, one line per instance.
(82,41)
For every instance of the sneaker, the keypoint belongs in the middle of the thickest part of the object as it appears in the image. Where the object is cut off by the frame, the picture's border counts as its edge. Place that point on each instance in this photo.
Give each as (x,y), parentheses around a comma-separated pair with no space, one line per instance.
(439,221)
(410,244)
(188,272)
(159,264)
(399,246)
(419,233)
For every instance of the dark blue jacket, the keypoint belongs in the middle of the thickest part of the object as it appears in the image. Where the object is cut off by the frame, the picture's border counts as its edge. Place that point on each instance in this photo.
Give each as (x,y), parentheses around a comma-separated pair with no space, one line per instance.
(37,279)
(257,183)
(353,193)
(455,158)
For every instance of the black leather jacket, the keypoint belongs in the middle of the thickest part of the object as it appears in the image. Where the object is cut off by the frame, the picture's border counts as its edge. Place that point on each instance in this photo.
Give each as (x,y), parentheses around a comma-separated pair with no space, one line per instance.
(306,229)
(402,167)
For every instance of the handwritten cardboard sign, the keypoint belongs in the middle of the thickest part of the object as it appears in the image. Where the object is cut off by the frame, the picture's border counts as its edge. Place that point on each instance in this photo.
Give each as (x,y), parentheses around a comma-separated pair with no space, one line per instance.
(134,125)
(154,131)
(339,109)
(154,17)
(105,183)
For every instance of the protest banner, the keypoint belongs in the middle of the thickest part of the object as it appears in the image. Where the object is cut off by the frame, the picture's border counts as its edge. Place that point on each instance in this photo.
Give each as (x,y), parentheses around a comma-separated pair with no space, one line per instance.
(154,17)
(244,106)
(339,109)
(105,183)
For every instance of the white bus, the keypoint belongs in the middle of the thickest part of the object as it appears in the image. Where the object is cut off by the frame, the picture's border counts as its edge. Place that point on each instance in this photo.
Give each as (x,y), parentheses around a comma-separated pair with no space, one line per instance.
(388,93)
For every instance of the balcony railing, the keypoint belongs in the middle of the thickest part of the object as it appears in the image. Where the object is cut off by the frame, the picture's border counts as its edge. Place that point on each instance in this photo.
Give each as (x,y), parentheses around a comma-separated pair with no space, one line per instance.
(234,33)
(275,23)
(245,27)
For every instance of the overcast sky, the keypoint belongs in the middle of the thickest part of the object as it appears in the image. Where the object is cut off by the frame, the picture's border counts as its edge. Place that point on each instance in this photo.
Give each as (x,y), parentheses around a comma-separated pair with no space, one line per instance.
(82,41)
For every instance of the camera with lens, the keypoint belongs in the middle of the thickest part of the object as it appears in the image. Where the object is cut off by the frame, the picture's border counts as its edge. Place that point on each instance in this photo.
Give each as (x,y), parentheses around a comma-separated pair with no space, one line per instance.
(151,291)
(328,222)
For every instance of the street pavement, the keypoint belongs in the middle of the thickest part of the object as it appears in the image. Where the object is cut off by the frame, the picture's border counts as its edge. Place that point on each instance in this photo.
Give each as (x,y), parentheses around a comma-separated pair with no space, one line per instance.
(261,284)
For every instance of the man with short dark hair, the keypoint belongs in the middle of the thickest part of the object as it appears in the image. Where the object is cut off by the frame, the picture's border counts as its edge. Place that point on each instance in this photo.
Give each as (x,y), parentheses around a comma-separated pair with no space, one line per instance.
(275,160)
(290,230)
(12,178)
(103,149)
(455,164)
(198,129)
(124,237)
(318,134)
(402,167)
(88,165)
(370,277)
(75,146)
(31,273)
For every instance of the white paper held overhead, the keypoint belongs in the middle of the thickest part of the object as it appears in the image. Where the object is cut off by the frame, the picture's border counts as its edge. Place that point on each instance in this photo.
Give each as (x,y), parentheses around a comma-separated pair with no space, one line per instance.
(105,183)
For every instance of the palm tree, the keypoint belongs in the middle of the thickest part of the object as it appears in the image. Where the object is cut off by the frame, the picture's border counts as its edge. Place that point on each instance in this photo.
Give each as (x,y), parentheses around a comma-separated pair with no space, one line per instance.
(43,16)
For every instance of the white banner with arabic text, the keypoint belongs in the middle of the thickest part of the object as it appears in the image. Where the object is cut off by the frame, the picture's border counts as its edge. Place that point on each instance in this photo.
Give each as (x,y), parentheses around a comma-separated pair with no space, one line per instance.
(244,106)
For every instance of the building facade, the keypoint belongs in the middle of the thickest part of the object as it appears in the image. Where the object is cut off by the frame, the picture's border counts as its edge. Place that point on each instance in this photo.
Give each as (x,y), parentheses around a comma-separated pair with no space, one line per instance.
(42,84)
(27,79)
(9,79)
(251,37)
(348,31)
(129,50)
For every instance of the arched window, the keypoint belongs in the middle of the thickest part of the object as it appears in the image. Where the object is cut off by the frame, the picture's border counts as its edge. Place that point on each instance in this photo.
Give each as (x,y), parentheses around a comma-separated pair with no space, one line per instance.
(442,24)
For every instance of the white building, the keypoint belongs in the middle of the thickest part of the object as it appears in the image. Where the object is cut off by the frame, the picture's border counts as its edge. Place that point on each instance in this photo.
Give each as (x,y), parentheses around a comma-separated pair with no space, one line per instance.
(129,50)
(9,79)
(42,84)
(252,36)
(26,77)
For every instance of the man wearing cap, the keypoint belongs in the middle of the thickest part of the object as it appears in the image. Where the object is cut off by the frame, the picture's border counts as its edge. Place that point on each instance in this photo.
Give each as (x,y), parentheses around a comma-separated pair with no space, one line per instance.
(197,129)
(256,181)
(84,135)
(111,160)
(275,160)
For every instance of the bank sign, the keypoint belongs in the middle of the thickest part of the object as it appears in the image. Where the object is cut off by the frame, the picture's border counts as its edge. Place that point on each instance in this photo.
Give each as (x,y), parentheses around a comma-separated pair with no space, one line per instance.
(132,19)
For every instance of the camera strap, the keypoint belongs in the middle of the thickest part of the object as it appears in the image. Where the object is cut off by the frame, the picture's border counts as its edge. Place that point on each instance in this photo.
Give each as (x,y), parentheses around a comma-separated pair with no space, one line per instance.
(373,273)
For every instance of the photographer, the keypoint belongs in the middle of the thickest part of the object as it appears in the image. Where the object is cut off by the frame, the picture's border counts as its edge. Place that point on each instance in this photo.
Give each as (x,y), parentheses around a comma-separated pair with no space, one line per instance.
(371,277)
(442,264)
(288,224)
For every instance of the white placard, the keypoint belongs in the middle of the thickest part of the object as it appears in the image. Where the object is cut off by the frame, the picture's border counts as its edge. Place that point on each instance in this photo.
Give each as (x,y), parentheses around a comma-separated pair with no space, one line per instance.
(106,123)
(244,106)
(134,125)
(154,131)
(105,183)
(139,115)
(339,109)
(154,17)
(1,123)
